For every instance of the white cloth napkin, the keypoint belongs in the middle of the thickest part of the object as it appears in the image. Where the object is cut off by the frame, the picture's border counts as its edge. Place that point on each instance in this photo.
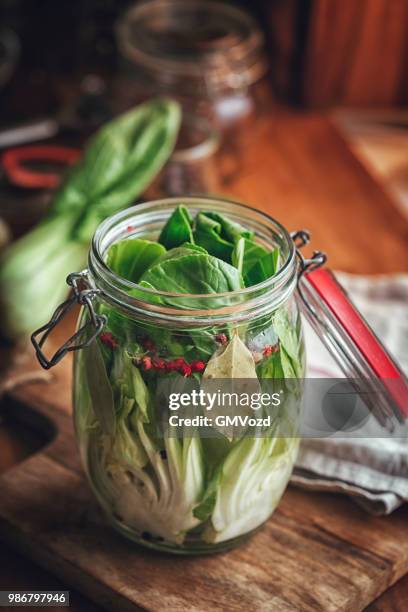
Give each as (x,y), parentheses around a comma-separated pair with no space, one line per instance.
(372,470)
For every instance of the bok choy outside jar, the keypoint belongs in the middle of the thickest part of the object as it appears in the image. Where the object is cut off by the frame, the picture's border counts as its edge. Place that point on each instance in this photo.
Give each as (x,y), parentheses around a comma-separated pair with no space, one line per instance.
(195,487)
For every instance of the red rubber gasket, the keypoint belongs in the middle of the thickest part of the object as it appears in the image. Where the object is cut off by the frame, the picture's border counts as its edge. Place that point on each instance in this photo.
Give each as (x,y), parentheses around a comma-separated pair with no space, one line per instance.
(13,164)
(361,334)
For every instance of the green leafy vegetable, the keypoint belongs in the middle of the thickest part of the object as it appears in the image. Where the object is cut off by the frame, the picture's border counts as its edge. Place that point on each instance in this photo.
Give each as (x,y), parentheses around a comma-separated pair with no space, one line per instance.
(250,482)
(194,247)
(271,367)
(238,253)
(262,269)
(206,506)
(178,229)
(207,234)
(174,486)
(130,258)
(193,274)
(118,164)
(230,230)
(218,235)
(185,249)
(100,389)
(254,261)
(291,345)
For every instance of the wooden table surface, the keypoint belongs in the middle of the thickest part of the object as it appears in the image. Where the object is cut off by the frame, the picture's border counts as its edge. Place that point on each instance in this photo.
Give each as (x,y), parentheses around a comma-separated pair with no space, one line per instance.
(298,168)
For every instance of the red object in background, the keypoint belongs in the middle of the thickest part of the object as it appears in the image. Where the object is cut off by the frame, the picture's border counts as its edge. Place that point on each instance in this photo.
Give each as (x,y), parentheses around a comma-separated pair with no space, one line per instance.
(361,335)
(14,159)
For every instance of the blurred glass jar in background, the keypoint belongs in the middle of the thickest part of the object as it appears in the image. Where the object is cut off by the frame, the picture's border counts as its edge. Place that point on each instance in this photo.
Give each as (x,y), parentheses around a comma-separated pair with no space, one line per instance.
(207,54)
(192,167)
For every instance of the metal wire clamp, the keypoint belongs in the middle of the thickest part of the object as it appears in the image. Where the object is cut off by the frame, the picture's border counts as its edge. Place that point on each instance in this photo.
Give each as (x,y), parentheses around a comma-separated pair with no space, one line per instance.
(80,339)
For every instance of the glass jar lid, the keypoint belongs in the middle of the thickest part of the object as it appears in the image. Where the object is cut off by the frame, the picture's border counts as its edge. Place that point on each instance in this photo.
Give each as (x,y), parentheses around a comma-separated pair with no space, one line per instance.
(351,342)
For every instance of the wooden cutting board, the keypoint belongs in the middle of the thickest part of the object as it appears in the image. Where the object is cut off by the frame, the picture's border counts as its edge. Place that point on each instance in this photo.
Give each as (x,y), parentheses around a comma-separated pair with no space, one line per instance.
(318,551)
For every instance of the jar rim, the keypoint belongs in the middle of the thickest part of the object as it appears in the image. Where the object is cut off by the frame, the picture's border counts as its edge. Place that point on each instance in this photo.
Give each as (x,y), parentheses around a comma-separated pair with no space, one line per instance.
(249,299)
(240,61)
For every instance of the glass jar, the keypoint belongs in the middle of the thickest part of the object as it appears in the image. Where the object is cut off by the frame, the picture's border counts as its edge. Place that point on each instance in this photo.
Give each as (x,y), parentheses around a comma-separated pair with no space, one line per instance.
(199,487)
(207,54)
(193,491)
(191,169)
(210,57)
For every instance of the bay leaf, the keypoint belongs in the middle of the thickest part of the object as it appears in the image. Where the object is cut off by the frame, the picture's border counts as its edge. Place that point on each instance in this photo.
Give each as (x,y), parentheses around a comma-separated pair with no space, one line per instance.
(231,377)
(234,360)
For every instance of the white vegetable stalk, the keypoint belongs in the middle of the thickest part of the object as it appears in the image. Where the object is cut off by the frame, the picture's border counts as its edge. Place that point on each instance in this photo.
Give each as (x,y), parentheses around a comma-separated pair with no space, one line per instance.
(252,482)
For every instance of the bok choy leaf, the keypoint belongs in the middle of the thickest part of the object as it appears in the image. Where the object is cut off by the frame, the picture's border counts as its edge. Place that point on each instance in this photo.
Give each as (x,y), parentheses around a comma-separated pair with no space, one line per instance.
(118,164)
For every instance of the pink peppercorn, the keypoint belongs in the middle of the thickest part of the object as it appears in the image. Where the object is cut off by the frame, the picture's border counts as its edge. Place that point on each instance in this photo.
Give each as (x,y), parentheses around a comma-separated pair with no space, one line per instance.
(147,363)
(158,363)
(268,350)
(170,366)
(197,366)
(185,370)
(109,340)
(221,338)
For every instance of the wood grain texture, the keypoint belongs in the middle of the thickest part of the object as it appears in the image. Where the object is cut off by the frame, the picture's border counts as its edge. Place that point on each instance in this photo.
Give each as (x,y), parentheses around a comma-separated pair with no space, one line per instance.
(300,170)
(393,600)
(18,573)
(318,552)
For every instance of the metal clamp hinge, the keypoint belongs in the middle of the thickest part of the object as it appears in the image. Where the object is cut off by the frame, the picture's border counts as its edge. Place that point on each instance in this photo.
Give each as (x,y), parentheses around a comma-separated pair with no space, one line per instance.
(80,338)
(306,265)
